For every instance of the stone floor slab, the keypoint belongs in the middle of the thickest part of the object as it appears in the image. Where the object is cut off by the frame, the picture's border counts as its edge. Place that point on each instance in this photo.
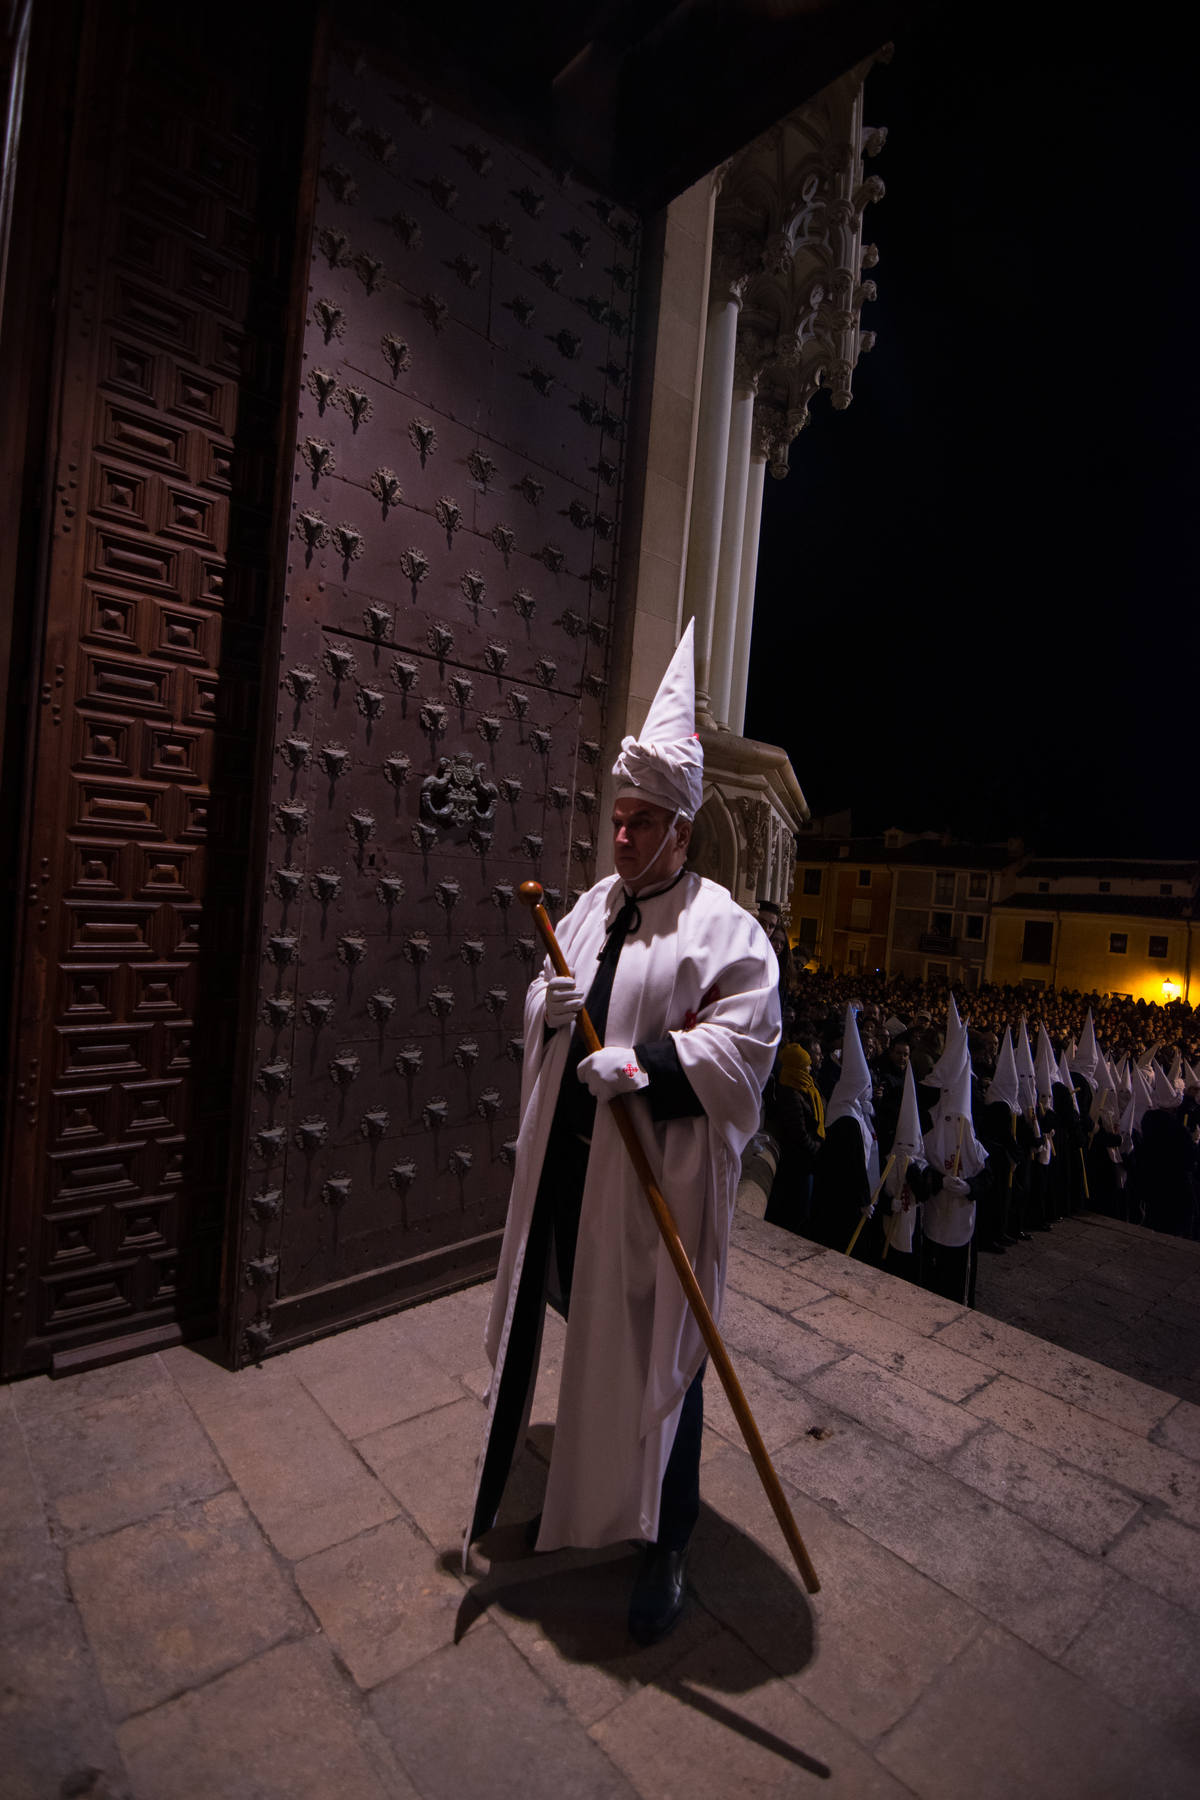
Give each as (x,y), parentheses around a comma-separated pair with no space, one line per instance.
(429,1465)
(722,1724)
(118,1451)
(1003,1723)
(782,1288)
(898,1409)
(1163,1555)
(772,1340)
(279,1728)
(1180,1430)
(1076,1379)
(20,1501)
(54,1724)
(474,1719)
(1091,1444)
(781,1411)
(865,1647)
(169,1603)
(1084,1510)
(385,1600)
(934,1363)
(880,1292)
(371,1380)
(301,1479)
(770,1243)
(1036,1586)
(1146,1654)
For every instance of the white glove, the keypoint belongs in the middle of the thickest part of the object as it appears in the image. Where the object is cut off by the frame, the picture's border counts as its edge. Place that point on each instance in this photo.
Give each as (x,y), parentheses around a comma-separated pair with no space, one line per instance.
(564,997)
(957,1188)
(612,1071)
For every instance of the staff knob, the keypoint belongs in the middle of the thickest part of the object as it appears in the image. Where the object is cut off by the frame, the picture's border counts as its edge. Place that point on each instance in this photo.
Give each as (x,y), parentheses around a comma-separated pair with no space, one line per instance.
(531,893)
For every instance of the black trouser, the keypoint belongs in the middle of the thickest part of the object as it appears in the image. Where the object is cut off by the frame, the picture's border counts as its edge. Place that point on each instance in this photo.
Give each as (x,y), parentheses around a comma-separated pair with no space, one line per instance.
(556,1211)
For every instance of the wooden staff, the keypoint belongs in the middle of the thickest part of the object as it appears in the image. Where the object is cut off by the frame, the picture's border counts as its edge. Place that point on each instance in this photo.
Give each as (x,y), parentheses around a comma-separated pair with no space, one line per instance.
(890,1230)
(531,894)
(870,1204)
(958,1147)
(1083,1166)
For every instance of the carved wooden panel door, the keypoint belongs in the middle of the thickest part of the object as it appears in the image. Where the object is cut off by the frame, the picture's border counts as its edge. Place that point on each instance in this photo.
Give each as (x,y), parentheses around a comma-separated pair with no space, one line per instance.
(441,695)
(171,326)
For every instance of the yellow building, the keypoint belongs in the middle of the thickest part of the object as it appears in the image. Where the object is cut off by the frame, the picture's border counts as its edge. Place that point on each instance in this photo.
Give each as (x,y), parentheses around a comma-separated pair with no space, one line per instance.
(1109,927)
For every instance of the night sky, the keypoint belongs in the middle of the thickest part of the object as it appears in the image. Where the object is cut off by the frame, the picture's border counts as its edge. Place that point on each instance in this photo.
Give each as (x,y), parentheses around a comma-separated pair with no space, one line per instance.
(977,591)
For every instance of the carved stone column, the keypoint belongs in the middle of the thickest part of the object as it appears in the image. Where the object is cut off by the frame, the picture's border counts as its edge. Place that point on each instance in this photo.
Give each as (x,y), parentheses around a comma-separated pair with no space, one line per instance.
(712,455)
(729,564)
(748,576)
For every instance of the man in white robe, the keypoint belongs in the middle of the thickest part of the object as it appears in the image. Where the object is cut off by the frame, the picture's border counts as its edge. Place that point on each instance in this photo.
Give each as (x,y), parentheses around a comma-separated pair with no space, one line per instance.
(682,986)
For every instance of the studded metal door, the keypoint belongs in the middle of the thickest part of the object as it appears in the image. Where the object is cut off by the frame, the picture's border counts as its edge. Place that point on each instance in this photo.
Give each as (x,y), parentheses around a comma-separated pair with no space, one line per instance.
(441,696)
(171,329)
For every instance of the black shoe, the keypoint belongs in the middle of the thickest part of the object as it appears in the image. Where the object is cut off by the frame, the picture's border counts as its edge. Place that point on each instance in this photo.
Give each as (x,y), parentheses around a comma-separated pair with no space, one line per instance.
(1024,1237)
(1009,1241)
(531,1531)
(658,1594)
(993,1249)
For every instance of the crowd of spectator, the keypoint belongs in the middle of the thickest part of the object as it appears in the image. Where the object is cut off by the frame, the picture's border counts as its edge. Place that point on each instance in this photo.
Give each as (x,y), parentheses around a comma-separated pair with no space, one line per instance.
(1109,1123)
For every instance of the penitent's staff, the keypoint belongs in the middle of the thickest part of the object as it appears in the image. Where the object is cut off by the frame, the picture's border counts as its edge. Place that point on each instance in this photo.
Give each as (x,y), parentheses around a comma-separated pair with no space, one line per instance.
(531,894)
(870,1206)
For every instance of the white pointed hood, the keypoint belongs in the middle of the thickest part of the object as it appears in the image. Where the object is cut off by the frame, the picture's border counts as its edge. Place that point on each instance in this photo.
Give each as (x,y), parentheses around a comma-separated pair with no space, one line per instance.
(664,764)
(1165,1094)
(908,1148)
(1087,1056)
(851,1098)
(1137,1106)
(1190,1077)
(946,1067)
(1045,1067)
(1064,1075)
(1147,1057)
(1108,1105)
(1026,1077)
(1175,1072)
(1003,1085)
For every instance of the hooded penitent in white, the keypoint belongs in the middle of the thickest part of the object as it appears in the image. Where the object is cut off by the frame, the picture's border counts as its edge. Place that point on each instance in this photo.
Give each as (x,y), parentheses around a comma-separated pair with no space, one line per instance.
(851,1098)
(664,764)
(948,1218)
(1190,1077)
(1026,1076)
(908,1148)
(694,967)
(1003,1085)
(1045,1067)
(1147,1057)
(1175,1072)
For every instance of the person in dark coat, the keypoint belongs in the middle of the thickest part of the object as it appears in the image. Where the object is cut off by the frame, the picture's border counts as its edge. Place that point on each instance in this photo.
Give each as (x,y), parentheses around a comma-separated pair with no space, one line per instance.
(795,1118)
(841,1179)
(1168,1163)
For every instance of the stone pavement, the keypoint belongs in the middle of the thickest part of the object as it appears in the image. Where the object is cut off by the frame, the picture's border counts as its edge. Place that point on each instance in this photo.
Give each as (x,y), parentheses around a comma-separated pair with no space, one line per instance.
(245,1587)
(1127,1297)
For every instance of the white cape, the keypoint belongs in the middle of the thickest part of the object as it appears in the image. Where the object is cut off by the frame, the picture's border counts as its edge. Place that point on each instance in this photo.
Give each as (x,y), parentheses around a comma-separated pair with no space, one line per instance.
(632,1346)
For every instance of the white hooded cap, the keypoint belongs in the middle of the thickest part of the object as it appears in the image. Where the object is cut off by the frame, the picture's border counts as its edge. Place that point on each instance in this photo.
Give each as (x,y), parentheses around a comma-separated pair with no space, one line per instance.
(1004,1085)
(1044,1064)
(851,1098)
(1064,1075)
(1026,1076)
(665,764)
(1084,1061)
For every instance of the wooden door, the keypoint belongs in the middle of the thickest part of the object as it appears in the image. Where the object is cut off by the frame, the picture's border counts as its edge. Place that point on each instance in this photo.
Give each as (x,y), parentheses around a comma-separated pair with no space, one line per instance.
(440,696)
(171,327)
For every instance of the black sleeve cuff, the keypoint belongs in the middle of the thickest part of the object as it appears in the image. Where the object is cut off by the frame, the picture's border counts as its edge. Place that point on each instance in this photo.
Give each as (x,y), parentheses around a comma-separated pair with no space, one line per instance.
(671,1094)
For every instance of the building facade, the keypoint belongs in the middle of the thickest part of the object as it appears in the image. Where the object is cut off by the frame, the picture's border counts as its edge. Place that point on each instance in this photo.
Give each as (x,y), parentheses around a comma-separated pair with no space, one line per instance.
(914,906)
(375,415)
(1104,926)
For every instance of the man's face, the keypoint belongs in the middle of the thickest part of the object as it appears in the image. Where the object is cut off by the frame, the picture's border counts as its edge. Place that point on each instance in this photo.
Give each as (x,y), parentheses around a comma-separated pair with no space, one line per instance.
(922,1021)
(638,831)
(817,1057)
(990,1046)
(899,1054)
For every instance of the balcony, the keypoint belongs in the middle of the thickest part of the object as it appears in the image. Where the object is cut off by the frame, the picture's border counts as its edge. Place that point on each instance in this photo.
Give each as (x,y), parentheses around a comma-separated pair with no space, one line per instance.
(938,946)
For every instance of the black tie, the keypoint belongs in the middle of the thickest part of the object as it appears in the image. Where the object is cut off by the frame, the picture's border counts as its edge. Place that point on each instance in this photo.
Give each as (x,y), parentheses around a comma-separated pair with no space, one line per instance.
(576,1108)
